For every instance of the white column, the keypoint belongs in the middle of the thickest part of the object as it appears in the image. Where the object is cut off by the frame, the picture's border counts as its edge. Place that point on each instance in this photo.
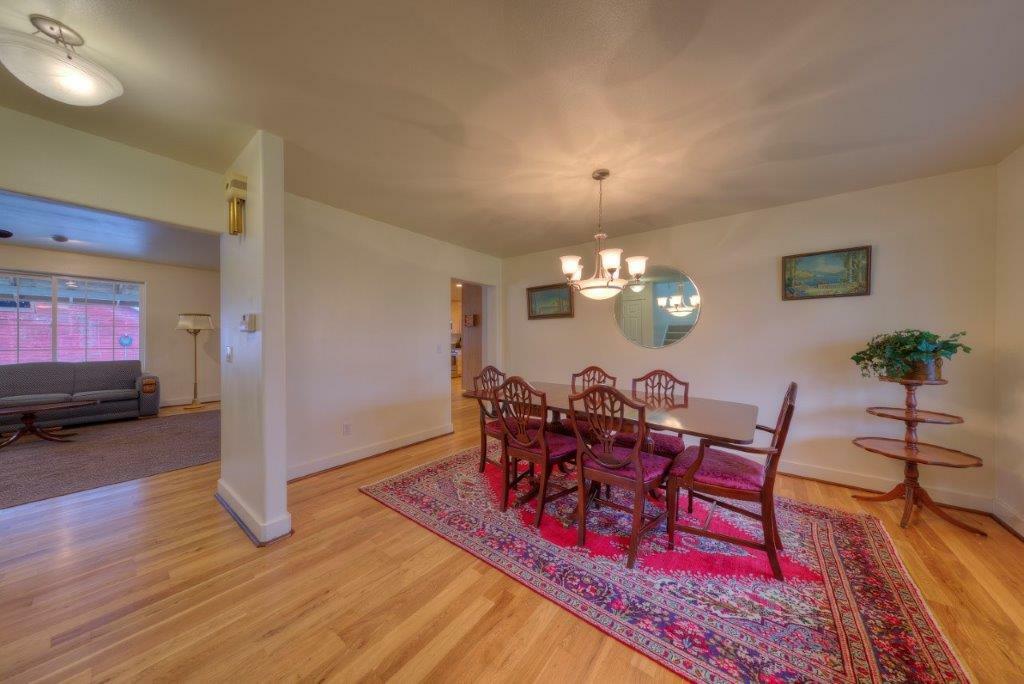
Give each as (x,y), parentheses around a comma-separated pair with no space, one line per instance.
(253,475)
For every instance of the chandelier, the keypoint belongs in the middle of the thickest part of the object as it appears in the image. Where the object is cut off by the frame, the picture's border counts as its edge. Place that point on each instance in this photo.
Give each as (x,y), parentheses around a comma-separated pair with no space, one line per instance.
(607,280)
(676,304)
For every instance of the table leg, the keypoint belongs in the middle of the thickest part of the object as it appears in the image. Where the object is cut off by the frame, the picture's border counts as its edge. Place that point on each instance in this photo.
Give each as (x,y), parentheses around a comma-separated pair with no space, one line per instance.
(49,434)
(897,492)
(18,434)
(908,505)
(926,501)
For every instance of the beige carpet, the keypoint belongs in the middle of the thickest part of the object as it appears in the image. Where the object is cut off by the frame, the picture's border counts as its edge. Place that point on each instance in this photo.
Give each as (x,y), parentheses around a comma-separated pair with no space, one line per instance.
(32,469)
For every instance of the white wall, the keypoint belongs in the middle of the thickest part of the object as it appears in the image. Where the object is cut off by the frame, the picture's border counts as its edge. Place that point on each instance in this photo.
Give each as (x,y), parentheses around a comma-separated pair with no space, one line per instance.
(170,290)
(933,243)
(48,160)
(1010,340)
(253,421)
(368,307)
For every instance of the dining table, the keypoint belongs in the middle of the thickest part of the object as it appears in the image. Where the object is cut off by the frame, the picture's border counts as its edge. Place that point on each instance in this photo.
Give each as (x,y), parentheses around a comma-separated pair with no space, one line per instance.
(726,421)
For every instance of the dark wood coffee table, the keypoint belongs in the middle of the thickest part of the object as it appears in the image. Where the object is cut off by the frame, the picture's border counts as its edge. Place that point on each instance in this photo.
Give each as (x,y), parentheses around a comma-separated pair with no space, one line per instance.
(28,420)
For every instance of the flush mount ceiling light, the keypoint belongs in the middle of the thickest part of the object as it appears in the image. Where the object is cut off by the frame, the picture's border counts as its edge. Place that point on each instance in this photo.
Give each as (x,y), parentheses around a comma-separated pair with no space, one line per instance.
(54,68)
(4,233)
(605,283)
(59,238)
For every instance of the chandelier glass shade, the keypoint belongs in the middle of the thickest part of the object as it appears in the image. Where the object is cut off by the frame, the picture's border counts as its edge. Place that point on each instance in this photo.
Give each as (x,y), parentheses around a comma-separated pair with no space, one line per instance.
(607,280)
(53,68)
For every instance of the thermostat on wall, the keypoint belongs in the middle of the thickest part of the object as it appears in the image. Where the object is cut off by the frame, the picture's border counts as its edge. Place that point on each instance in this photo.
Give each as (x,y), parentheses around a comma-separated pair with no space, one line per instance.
(248,323)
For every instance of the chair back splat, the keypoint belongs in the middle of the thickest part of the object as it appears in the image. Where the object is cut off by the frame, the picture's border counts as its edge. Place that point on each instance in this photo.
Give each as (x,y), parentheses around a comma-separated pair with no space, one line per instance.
(490,379)
(518,405)
(661,386)
(590,376)
(598,415)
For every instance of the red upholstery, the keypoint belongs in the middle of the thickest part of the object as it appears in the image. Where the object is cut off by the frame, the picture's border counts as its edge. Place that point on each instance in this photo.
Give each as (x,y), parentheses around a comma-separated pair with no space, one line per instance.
(721,469)
(493,427)
(564,427)
(666,445)
(559,446)
(654,467)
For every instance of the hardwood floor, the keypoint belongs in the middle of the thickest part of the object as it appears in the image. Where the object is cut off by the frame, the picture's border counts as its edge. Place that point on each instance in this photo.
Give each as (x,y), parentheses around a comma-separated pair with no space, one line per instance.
(152,580)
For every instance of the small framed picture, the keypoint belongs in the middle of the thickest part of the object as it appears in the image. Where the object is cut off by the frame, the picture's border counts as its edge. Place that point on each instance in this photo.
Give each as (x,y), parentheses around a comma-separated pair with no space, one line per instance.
(469,320)
(834,273)
(549,301)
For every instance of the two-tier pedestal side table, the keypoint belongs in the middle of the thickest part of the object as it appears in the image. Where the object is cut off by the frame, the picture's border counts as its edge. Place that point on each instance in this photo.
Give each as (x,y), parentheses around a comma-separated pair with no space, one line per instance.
(914,453)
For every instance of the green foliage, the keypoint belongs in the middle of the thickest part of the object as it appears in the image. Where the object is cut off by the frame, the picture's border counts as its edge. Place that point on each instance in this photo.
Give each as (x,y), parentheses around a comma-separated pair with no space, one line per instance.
(894,354)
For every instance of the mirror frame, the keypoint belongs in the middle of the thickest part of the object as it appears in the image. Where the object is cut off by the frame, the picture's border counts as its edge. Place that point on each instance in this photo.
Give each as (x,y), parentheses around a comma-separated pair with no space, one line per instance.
(618,306)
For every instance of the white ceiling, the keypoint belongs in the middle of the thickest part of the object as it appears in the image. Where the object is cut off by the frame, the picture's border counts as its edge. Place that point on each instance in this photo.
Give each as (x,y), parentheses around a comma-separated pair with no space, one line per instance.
(35,221)
(479,121)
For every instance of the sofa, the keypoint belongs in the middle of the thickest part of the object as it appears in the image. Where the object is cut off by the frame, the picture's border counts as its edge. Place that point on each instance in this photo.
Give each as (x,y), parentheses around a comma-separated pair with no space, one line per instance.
(122,389)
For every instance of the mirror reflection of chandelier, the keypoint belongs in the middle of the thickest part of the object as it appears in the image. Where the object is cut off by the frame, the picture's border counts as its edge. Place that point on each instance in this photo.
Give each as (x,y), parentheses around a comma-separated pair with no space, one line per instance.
(676,304)
(606,282)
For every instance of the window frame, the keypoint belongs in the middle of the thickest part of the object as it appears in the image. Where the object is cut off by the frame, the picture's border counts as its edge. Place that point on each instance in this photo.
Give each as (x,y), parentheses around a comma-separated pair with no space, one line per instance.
(54,297)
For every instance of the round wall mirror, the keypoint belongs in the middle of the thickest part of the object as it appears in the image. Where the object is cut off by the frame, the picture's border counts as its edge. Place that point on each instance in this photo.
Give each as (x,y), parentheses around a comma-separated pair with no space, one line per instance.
(660,313)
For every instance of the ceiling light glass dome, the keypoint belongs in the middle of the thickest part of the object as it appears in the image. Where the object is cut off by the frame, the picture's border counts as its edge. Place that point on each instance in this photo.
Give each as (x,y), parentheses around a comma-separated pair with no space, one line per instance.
(53,68)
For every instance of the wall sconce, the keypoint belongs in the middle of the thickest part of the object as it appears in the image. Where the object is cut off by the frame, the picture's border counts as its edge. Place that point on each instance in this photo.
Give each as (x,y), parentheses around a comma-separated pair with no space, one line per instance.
(235,188)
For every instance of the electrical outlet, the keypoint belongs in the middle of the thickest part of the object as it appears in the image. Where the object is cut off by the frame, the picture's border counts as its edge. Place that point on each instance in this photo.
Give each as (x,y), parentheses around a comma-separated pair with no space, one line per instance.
(346,429)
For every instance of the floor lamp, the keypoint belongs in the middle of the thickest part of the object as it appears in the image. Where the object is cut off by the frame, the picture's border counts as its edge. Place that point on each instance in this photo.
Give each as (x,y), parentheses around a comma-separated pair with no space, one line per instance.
(193,323)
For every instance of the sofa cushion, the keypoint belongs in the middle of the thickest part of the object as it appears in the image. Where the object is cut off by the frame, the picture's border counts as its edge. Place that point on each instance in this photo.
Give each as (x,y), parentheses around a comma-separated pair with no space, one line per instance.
(47,377)
(26,399)
(106,395)
(105,375)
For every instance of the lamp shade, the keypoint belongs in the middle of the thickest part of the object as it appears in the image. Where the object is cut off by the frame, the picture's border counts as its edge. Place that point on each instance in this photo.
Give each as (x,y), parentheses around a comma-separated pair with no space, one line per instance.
(194,321)
(637,265)
(51,70)
(570,264)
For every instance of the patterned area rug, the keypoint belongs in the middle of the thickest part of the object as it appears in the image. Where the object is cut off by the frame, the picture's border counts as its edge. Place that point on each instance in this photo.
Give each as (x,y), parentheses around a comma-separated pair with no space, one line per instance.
(847,612)
(106,453)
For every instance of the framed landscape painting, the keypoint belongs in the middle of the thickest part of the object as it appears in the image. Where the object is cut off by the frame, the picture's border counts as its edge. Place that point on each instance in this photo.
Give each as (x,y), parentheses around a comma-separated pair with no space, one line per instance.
(549,301)
(835,273)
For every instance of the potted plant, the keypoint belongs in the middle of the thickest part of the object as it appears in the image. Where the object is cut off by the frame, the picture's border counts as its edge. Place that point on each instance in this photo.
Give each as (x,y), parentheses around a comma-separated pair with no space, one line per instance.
(908,354)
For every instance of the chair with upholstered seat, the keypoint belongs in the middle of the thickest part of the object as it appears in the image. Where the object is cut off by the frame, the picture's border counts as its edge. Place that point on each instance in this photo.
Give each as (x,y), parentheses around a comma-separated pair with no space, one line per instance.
(715,470)
(521,410)
(659,389)
(485,383)
(598,415)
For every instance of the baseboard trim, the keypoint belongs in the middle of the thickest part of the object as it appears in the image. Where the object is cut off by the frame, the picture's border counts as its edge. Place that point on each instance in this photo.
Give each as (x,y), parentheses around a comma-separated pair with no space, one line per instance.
(876,483)
(1010,518)
(307,468)
(188,400)
(259,533)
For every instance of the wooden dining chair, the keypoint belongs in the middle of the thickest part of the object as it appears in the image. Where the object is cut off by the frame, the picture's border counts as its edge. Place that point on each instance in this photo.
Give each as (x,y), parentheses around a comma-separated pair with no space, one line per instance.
(660,389)
(485,383)
(597,415)
(518,405)
(711,473)
(588,377)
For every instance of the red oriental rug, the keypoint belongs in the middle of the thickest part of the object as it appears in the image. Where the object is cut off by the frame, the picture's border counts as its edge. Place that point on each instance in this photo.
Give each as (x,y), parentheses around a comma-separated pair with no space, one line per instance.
(712,612)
